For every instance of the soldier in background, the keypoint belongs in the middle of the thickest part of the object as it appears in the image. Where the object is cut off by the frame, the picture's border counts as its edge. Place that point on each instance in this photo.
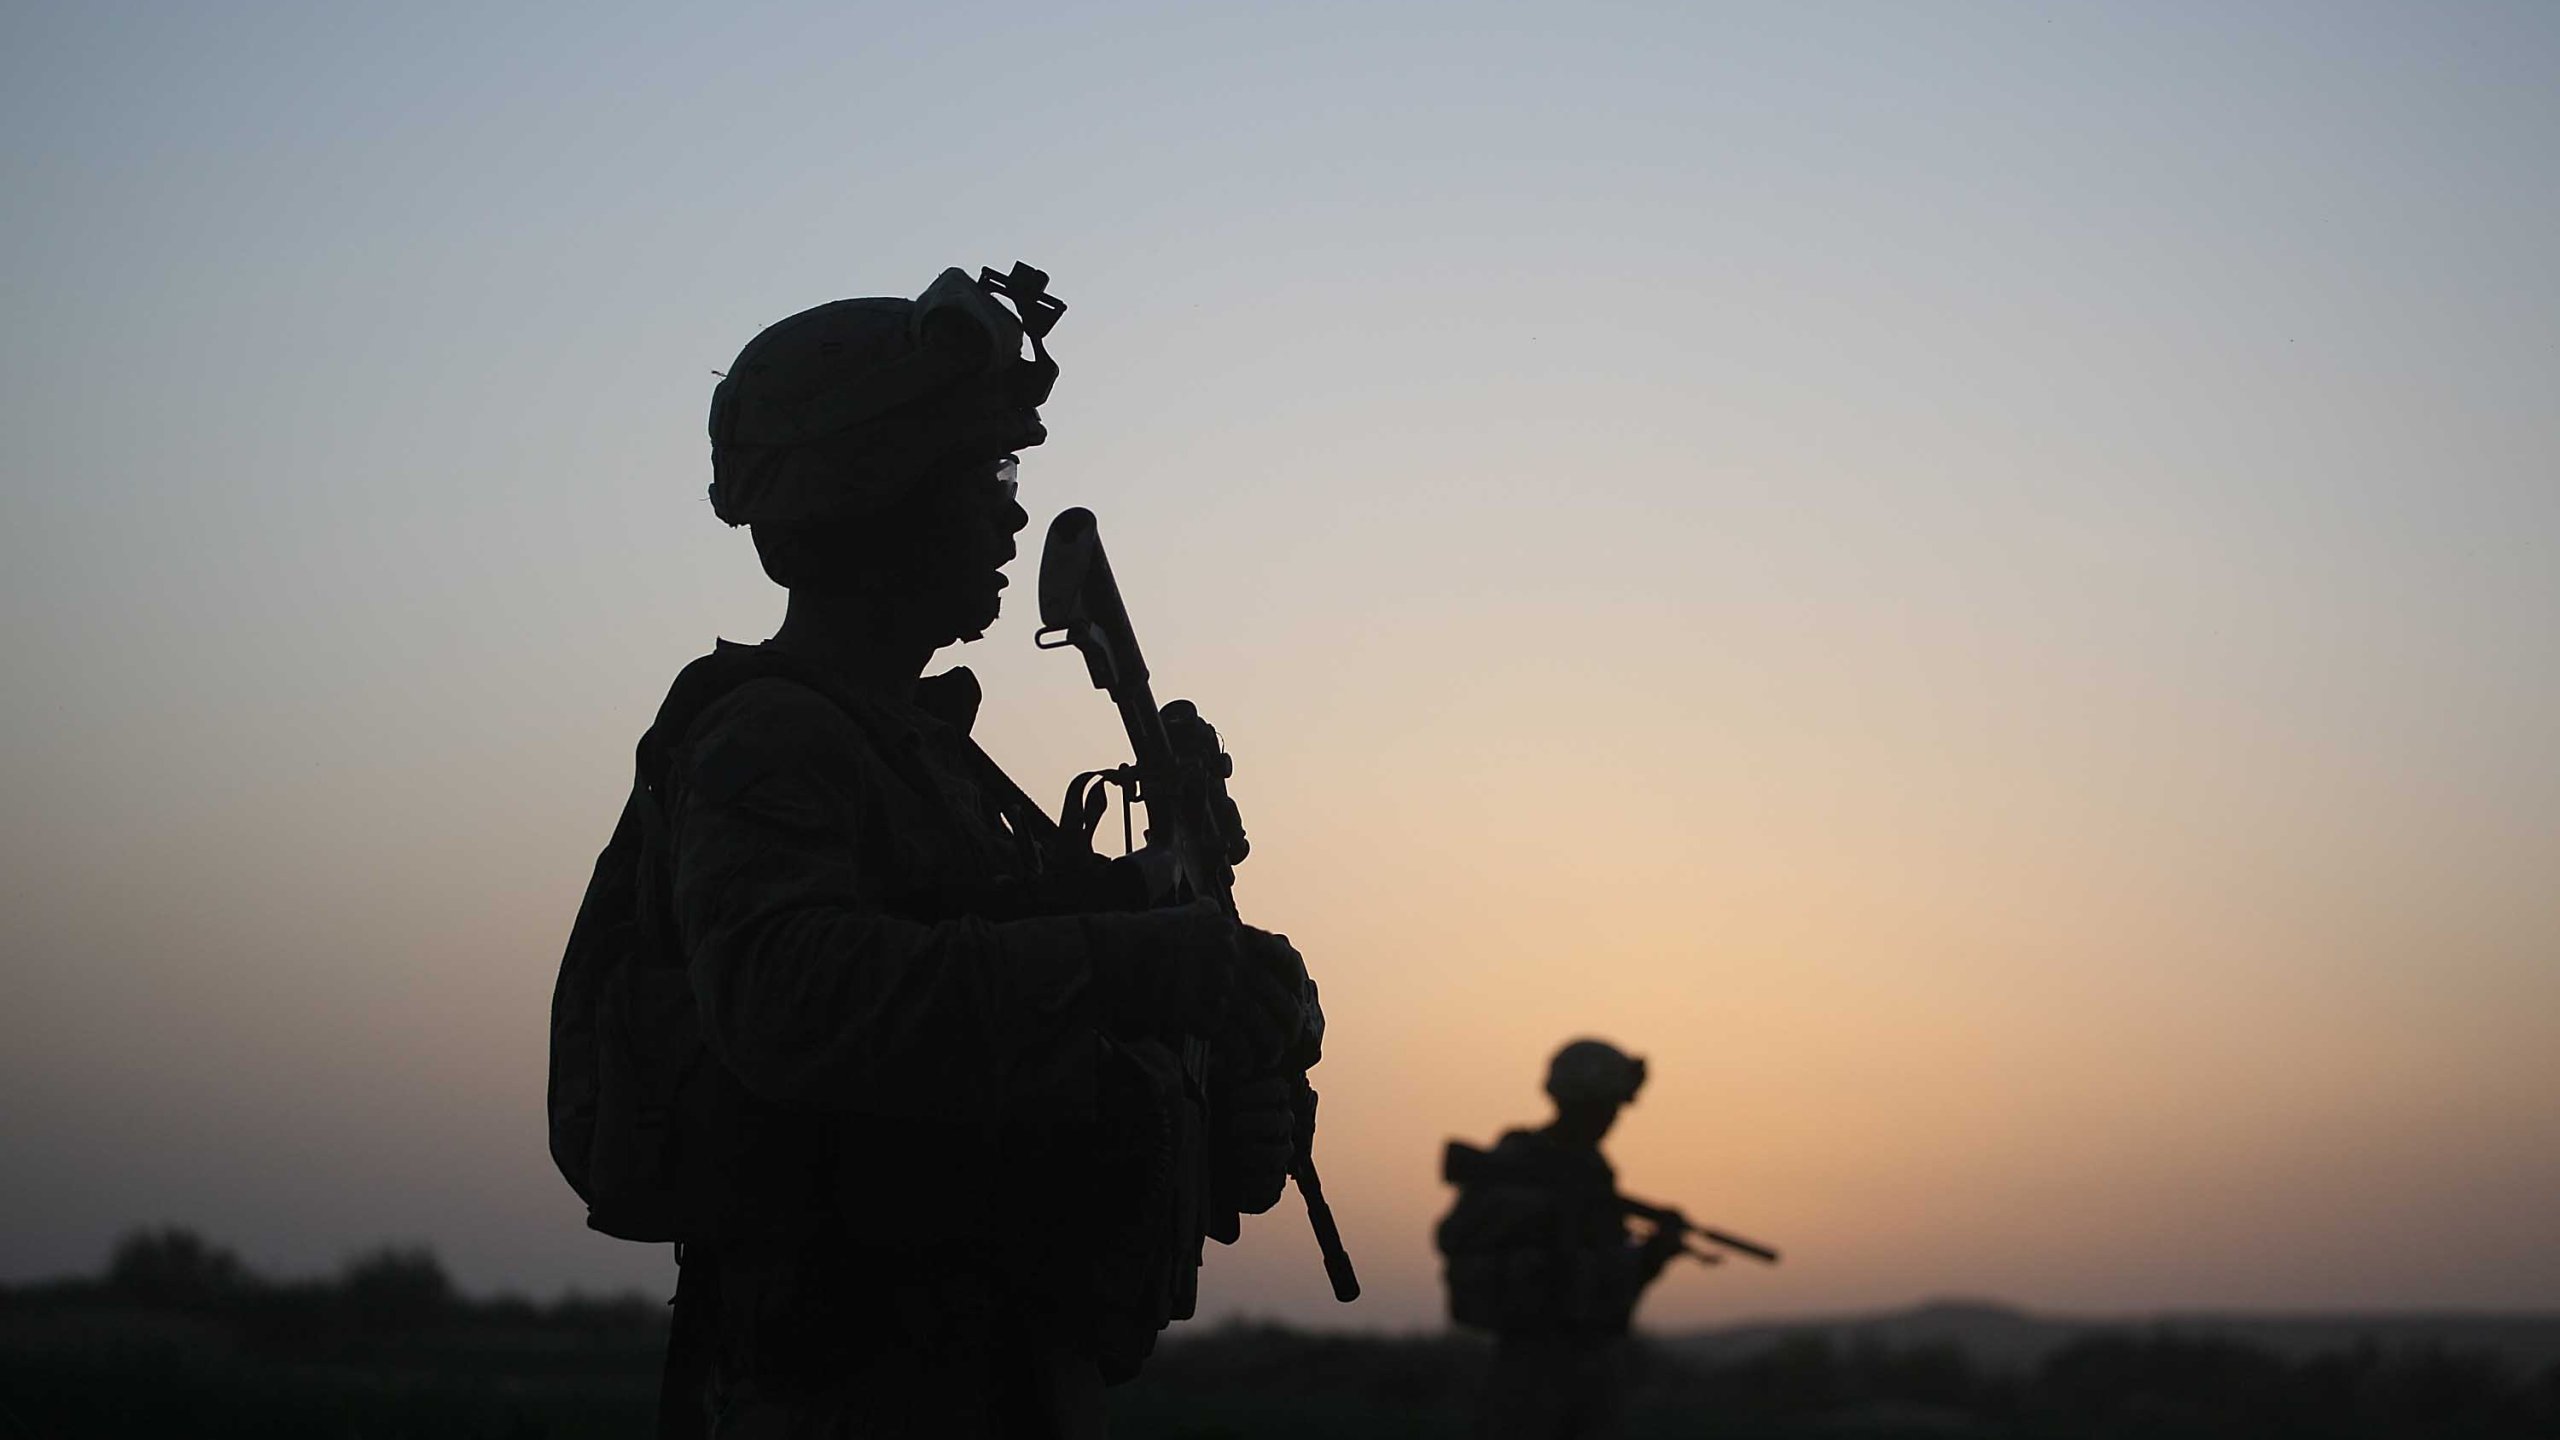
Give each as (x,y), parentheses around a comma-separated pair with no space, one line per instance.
(897,1068)
(1538,1252)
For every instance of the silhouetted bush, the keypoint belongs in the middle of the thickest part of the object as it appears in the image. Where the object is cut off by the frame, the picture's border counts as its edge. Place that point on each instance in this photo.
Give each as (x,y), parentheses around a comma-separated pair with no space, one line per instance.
(606,1317)
(1936,1374)
(175,1269)
(394,1289)
(2179,1384)
(1799,1375)
(2434,1391)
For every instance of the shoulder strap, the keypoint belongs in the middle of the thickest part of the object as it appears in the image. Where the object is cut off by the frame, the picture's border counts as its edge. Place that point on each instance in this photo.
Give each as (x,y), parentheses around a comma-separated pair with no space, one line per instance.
(699,686)
(952,697)
(1047,849)
(706,681)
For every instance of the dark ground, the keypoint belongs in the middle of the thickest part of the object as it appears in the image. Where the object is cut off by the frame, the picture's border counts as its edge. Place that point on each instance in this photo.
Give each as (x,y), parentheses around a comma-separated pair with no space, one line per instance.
(178,1340)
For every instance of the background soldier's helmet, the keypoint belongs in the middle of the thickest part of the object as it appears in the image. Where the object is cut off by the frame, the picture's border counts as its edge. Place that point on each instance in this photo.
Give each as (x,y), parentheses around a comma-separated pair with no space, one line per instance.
(1594,1070)
(836,412)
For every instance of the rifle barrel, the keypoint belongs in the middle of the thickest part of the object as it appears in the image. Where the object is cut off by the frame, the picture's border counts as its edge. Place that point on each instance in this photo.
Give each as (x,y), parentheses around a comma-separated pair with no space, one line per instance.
(1761,1253)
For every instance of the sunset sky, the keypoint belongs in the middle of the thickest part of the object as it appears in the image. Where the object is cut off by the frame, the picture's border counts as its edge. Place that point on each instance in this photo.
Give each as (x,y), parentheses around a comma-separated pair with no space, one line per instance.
(1981,583)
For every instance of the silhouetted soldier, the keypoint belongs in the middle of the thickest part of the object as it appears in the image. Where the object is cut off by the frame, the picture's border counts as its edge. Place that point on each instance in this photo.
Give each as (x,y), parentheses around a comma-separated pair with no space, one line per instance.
(1538,1252)
(898,1069)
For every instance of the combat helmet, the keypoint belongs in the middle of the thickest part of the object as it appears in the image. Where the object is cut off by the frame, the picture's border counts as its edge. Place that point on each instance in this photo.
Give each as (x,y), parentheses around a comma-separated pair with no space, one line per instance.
(1588,1071)
(840,410)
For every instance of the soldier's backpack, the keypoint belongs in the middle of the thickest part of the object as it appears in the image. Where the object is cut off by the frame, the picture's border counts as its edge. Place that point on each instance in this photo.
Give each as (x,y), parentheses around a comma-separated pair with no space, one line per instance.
(1531,1247)
(1499,1248)
(633,1084)
(628,1064)
(626,1039)
(628,1060)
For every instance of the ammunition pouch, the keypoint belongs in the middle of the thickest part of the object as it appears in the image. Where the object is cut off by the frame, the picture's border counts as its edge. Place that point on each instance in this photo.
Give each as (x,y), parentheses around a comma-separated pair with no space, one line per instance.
(1145,1215)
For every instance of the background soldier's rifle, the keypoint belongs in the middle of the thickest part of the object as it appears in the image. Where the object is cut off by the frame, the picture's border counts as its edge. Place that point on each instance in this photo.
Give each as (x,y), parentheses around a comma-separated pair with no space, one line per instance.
(1663,1216)
(1180,772)
(1464,1164)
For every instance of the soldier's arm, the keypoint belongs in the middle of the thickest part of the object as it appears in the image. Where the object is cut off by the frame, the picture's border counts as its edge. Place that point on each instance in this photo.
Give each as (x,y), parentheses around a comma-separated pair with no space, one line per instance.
(809,991)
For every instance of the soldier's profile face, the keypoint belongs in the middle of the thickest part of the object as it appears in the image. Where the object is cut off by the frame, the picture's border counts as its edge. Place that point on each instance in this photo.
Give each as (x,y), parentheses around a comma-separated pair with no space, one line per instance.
(992,489)
(985,517)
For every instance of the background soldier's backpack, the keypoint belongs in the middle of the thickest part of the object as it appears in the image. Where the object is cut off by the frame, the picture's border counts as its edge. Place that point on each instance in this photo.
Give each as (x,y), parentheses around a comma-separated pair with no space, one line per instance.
(1500,1246)
(1533,1245)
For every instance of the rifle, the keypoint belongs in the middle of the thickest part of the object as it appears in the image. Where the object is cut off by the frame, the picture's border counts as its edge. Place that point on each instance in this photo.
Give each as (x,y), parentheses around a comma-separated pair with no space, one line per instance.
(1673,1219)
(1180,773)
(1464,1164)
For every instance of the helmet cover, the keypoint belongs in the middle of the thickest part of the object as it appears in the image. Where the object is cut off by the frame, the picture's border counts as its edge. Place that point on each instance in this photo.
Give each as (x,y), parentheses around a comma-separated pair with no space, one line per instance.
(839,410)
(1594,1071)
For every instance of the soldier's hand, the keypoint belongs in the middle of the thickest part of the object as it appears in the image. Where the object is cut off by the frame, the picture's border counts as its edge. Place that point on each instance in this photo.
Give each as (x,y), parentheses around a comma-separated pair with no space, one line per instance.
(1170,969)
(1194,968)
(1256,1138)
(1267,1011)
(1148,873)
(1665,1243)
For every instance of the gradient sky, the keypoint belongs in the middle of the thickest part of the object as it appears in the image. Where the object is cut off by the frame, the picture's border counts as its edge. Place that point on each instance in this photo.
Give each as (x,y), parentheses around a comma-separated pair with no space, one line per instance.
(1981,582)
